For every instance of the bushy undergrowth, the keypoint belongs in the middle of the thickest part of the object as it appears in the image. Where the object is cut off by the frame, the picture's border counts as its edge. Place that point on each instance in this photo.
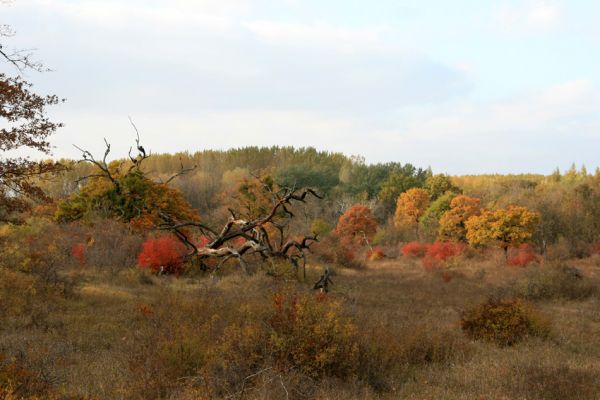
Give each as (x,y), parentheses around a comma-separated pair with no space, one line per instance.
(330,250)
(376,254)
(523,257)
(19,382)
(437,254)
(434,255)
(165,252)
(413,249)
(557,282)
(504,321)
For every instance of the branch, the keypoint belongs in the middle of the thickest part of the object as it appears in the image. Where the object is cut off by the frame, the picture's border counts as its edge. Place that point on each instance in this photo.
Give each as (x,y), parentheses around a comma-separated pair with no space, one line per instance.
(182,171)
(254,232)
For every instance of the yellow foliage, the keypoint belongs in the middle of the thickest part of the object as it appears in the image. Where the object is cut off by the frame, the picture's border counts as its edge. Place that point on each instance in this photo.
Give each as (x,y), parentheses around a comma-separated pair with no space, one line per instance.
(452,222)
(504,227)
(411,206)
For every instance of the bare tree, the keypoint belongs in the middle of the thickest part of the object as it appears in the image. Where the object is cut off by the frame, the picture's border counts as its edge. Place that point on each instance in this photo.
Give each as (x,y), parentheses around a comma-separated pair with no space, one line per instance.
(264,235)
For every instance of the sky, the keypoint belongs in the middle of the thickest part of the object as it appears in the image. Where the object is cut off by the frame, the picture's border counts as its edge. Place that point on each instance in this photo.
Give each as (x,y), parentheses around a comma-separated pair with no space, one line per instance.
(462,86)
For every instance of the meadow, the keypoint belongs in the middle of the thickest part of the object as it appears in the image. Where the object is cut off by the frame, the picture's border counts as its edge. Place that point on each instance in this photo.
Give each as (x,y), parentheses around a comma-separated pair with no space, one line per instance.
(388,330)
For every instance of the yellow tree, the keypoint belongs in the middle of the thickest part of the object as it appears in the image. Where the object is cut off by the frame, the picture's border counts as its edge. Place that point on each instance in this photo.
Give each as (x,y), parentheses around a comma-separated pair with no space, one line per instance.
(410,207)
(452,222)
(504,228)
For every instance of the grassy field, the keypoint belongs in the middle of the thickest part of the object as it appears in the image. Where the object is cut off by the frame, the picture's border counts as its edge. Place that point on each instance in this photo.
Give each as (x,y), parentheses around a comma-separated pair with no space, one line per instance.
(395,329)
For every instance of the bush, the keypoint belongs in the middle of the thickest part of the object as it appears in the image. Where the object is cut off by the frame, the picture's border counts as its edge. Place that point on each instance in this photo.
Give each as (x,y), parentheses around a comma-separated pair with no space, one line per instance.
(309,334)
(413,249)
(525,256)
(376,254)
(504,322)
(166,252)
(437,253)
(330,250)
(19,381)
(558,282)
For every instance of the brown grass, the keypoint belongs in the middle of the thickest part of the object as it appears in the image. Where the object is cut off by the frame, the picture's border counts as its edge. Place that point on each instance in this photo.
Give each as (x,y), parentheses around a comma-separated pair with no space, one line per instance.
(125,334)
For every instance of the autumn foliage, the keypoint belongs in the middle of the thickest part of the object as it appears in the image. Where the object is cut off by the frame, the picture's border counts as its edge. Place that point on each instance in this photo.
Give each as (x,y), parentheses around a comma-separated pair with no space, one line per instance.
(505,227)
(165,251)
(410,207)
(437,253)
(413,249)
(452,222)
(356,226)
(524,256)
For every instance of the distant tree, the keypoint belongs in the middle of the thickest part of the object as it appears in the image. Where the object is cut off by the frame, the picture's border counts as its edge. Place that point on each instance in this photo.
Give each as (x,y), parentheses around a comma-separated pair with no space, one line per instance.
(322,179)
(437,208)
(394,185)
(410,207)
(508,227)
(439,184)
(452,222)
(357,226)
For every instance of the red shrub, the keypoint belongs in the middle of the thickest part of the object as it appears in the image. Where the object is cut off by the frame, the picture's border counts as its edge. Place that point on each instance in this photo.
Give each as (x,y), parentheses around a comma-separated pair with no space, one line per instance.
(202,241)
(165,251)
(376,254)
(78,252)
(438,252)
(525,255)
(413,249)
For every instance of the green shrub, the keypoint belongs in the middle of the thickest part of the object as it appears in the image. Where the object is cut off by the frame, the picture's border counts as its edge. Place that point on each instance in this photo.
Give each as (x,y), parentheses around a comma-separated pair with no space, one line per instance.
(504,322)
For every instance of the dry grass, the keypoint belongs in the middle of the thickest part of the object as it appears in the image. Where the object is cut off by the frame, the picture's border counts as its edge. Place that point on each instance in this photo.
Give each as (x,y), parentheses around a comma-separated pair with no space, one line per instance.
(127,335)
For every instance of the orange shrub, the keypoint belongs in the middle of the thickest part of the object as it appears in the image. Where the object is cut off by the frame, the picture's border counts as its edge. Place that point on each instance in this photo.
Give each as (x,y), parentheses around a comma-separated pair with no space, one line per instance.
(165,251)
(376,254)
(413,249)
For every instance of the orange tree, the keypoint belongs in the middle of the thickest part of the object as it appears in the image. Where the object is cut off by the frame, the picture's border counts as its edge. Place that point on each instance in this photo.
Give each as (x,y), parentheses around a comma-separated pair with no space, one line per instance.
(410,207)
(452,222)
(504,228)
(356,226)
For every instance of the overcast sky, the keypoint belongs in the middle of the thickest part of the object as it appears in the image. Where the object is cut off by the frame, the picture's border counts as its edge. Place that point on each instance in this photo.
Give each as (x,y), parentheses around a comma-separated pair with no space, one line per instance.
(462,86)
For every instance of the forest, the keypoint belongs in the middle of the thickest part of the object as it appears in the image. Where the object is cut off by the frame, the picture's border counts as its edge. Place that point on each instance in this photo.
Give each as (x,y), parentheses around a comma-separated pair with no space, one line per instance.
(284,272)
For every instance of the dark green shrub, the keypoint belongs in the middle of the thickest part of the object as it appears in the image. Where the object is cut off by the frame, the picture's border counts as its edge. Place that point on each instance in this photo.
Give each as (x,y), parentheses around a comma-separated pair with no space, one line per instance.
(504,322)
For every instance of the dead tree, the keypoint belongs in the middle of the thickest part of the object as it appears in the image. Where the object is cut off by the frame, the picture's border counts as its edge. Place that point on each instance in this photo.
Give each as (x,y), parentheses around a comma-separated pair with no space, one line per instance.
(255,234)
(240,237)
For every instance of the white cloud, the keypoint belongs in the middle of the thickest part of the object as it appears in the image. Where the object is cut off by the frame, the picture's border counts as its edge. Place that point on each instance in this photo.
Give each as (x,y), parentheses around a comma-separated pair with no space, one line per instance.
(318,35)
(110,14)
(534,16)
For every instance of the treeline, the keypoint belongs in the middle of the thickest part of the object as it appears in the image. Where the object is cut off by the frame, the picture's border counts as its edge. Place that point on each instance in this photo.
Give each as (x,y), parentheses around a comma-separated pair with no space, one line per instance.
(341,179)
(568,203)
